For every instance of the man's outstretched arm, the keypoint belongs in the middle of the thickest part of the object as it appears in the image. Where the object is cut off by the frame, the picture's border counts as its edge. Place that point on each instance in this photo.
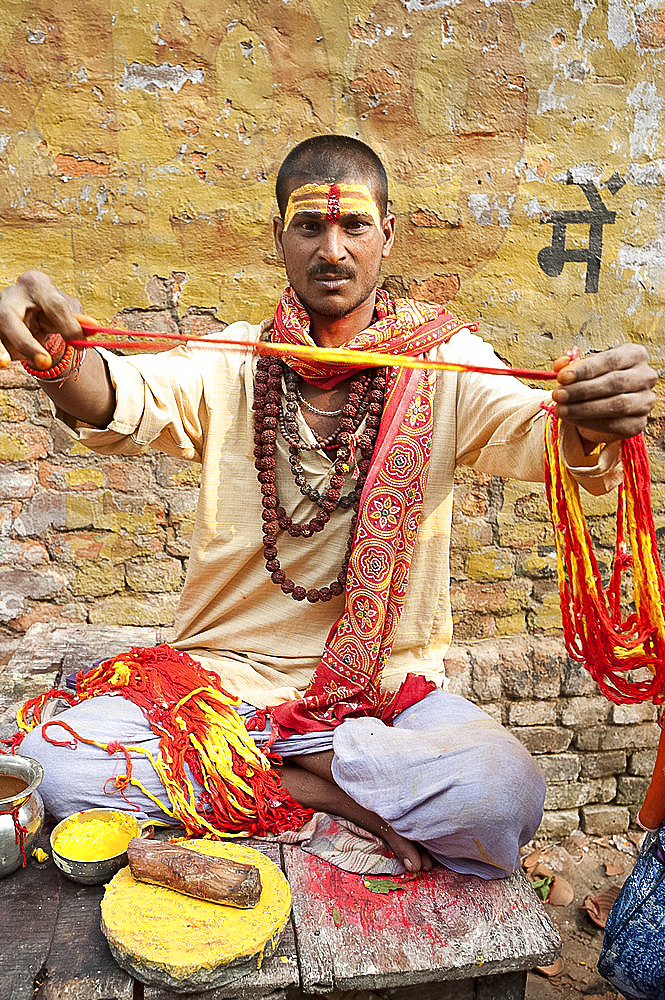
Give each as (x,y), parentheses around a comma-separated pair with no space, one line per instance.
(35,318)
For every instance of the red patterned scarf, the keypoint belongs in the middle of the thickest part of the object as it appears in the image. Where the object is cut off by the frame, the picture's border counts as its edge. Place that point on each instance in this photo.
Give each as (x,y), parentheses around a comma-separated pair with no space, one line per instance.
(347,680)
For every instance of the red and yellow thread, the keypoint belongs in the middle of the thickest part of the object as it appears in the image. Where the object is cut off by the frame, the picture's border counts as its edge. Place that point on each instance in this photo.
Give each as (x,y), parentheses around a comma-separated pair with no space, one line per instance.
(200,734)
(114,338)
(624,652)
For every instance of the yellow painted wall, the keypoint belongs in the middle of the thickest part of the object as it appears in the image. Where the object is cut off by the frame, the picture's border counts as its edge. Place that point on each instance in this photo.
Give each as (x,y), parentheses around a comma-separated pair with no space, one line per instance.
(141,139)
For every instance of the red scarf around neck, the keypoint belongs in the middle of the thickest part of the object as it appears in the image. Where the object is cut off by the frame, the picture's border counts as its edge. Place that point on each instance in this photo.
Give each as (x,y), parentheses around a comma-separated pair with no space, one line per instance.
(347,680)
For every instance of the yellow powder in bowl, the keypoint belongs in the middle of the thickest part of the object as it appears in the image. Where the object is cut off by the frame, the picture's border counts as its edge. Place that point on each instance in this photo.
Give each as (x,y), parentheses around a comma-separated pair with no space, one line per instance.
(95,839)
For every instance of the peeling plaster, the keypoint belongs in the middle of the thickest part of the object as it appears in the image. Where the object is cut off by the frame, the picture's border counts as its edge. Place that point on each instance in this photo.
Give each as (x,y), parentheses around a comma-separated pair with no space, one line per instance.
(585,8)
(482,208)
(581,173)
(648,174)
(101,198)
(534,209)
(647,264)
(413,5)
(142,76)
(447,34)
(619,23)
(548,101)
(178,151)
(644,137)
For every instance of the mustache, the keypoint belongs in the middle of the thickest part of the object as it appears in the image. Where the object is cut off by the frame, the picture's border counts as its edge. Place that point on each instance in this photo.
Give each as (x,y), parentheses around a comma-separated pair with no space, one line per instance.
(328,271)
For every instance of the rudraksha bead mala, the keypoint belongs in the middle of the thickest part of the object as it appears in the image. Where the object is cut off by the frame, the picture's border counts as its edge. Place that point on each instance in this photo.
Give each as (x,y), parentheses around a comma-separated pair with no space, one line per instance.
(366,395)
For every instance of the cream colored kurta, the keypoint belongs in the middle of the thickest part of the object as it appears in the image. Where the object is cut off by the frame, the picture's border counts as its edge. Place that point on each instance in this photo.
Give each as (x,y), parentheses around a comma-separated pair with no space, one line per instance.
(196,403)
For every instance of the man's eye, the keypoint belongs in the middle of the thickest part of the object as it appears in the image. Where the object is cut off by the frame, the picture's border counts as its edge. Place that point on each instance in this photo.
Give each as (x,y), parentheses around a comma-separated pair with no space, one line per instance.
(357,226)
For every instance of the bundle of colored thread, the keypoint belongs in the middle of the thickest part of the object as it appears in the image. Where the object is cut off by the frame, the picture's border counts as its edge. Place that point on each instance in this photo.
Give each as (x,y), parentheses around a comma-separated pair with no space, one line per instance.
(200,734)
(625,653)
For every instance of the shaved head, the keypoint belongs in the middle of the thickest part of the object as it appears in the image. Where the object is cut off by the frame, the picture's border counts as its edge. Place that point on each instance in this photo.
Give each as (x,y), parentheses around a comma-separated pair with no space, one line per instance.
(329,158)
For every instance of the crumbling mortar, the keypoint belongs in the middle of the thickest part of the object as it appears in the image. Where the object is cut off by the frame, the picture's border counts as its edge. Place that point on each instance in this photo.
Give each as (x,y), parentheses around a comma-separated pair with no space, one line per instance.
(494,507)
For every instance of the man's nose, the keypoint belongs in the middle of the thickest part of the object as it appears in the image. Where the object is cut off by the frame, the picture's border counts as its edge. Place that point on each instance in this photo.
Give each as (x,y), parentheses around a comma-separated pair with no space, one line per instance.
(331,245)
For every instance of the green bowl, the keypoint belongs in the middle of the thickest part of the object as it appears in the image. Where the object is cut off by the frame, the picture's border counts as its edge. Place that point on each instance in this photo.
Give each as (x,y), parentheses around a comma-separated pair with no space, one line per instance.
(102,869)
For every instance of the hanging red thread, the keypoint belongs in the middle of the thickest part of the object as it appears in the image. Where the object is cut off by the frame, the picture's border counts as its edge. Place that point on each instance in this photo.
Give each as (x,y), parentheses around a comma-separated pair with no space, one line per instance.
(625,654)
(199,732)
(20,833)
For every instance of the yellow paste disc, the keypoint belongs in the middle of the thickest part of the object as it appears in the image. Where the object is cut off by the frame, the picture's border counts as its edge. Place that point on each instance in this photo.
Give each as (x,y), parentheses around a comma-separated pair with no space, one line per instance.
(162,936)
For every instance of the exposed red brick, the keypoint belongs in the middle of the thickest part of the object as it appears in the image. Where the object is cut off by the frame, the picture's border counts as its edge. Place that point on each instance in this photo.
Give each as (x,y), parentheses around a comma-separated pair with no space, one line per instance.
(651,29)
(45,613)
(475,503)
(124,476)
(376,82)
(74,166)
(438,288)
(364,32)
(20,444)
(35,211)
(201,324)
(427,219)
(51,476)
(490,598)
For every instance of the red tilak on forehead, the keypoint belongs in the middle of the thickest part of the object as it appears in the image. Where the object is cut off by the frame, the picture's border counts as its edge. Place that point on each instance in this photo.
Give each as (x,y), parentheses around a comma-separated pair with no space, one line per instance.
(332,212)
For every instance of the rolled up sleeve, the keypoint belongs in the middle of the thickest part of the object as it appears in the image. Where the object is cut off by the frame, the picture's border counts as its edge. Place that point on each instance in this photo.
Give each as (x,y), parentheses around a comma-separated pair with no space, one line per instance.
(159,404)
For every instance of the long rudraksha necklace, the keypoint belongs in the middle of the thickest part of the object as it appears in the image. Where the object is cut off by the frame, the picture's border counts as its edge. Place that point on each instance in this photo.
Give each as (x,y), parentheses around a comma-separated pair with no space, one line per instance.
(267,413)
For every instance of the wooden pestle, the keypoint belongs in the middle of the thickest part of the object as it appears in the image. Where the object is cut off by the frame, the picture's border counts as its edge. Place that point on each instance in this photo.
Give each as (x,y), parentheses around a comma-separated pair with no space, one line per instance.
(175,866)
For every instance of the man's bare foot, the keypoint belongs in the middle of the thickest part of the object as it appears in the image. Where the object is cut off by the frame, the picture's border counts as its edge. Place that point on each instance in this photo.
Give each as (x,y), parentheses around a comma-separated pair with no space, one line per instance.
(310,782)
(414,857)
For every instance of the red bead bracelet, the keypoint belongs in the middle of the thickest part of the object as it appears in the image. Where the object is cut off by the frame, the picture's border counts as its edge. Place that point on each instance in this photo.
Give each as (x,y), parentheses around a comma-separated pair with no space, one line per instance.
(55,371)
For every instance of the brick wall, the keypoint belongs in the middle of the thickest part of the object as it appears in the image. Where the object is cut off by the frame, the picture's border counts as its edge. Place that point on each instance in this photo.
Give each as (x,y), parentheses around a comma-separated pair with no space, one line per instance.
(138,152)
(596,757)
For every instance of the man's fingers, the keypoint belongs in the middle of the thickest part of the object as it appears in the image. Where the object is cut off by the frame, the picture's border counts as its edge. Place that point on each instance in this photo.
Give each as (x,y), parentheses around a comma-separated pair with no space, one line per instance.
(32,309)
(46,308)
(563,362)
(5,359)
(89,321)
(610,419)
(53,314)
(18,342)
(609,385)
(596,365)
(617,406)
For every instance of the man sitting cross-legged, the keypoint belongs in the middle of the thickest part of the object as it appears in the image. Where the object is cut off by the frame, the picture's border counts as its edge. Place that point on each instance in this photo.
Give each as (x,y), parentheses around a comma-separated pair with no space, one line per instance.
(318,581)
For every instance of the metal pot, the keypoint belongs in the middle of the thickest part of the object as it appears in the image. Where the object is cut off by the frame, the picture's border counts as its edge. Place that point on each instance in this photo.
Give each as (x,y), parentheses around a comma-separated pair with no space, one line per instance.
(21,810)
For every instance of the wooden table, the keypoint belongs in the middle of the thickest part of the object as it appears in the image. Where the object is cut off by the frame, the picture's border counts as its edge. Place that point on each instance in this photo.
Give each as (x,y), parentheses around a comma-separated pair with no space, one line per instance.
(457,937)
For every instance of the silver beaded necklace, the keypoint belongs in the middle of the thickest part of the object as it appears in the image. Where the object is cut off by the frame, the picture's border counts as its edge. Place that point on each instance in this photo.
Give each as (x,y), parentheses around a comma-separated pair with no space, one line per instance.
(315,409)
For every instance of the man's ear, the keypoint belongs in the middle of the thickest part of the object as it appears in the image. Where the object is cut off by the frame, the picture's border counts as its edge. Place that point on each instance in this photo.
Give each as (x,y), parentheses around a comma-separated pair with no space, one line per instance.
(388,230)
(277,234)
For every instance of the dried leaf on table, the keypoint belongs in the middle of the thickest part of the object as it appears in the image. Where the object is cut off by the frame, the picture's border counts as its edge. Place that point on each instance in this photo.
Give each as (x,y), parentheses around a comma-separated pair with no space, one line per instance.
(382,885)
